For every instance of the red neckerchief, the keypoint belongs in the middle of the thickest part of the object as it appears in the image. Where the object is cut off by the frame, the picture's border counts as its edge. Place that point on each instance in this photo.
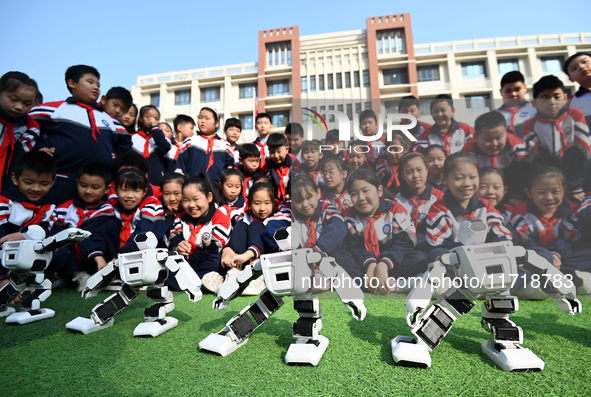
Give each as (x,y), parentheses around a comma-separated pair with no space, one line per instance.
(210,142)
(6,142)
(513,111)
(90,112)
(38,212)
(565,144)
(394,177)
(547,236)
(146,136)
(311,234)
(262,151)
(370,235)
(415,210)
(81,215)
(339,198)
(125,232)
(282,171)
(193,237)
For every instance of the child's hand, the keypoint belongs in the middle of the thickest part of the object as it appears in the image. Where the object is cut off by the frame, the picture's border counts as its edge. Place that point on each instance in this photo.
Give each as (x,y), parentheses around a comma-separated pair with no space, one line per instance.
(152,122)
(100,262)
(578,198)
(228,255)
(48,150)
(11,237)
(382,275)
(242,258)
(556,261)
(184,248)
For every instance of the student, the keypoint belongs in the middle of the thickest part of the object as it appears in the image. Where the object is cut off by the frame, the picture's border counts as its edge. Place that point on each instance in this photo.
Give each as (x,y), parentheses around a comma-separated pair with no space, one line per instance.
(231,183)
(117,102)
(150,142)
(128,120)
(250,161)
(295,138)
(77,132)
(337,146)
(459,203)
(18,130)
(558,136)
(167,130)
(435,156)
(335,172)
(417,195)
(173,153)
(25,202)
(279,163)
(369,126)
(357,156)
(381,234)
(115,224)
(312,157)
(171,186)
(494,188)
(201,231)
(205,152)
(232,129)
(515,109)
(137,161)
(578,69)
(410,105)
(184,127)
(446,131)
(264,126)
(494,147)
(387,164)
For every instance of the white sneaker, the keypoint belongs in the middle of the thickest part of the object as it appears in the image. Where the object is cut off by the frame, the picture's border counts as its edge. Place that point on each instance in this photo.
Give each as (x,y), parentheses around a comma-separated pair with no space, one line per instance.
(212,281)
(233,272)
(81,278)
(255,287)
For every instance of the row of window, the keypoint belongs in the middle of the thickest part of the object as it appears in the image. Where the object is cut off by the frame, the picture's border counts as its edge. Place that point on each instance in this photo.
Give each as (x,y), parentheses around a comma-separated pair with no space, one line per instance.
(280,119)
(334,81)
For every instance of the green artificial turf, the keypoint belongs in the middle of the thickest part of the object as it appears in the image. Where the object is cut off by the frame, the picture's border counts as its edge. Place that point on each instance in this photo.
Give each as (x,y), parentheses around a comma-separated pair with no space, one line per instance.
(43,359)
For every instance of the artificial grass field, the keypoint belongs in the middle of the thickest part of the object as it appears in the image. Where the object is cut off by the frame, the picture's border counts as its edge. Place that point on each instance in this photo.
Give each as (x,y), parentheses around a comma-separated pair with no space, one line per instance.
(43,359)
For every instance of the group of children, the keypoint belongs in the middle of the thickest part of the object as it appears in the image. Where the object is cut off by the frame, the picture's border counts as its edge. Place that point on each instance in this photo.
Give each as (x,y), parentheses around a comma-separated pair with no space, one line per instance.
(383,209)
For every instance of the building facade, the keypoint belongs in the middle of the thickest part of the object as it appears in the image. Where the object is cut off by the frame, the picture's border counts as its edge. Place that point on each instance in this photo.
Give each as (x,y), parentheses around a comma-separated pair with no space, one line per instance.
(355,70)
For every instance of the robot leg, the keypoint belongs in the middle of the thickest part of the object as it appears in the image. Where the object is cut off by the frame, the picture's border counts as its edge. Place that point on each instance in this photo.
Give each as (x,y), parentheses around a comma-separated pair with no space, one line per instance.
(431,328)
(9,292)
(504,348)
(309,346)
(156,320)
(102,314)
(31,310)
(239,328)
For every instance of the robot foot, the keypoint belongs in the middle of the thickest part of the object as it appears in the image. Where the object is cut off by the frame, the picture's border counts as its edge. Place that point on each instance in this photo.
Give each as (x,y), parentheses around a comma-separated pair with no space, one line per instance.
(220,343)
(87,326)
(306,352)
(509,360)
(406,351)
(29,316)
(156,327)
(7,311)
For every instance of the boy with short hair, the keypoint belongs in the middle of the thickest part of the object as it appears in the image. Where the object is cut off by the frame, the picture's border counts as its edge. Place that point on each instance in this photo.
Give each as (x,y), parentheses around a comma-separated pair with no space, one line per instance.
(368,124)
(515,108)
(184,127)
(117,102)
(558,136)
(76,131)
(333,140)
(250,161)
(311,157)
(578,69)
(410,105)
(446,131)
(233,129)
(278,164)
(295,137)
(263,125)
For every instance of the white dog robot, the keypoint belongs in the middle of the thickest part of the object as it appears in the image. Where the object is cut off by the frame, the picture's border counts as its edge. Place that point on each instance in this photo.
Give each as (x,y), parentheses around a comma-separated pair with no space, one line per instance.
(285,273)
(148,267)
(494,266)
(27,260)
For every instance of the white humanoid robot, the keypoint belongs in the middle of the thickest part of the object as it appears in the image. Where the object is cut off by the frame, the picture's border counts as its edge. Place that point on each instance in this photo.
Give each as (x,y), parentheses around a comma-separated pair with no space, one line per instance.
(148,267)
(27,260)
(488,269)
(285,273)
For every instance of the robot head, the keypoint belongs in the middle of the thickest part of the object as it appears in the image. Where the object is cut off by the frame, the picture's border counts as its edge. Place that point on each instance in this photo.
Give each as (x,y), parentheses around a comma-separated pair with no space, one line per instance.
(146,241)
(282,238)
(473,232)
(33,232)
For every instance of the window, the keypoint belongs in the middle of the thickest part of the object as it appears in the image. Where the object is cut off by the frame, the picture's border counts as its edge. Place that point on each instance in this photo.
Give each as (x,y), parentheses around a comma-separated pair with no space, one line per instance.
(329,82)
(428,73)
(356,81)
(347,79)
(305,84)
(278,87)
(391,106)
(390,41)
(182,97)
(551,64)
(339,81)
(247,121)
(358,108)
(340,108)
(247,90)
(350,111)
(280,119)
(279,53)
(507,65)
(426,105)
(155,99)
(395,76)
(321,82)
(478,103)
(473,70)
(331,117)
(210,94)
(312,83)
(367,105)
(366,78)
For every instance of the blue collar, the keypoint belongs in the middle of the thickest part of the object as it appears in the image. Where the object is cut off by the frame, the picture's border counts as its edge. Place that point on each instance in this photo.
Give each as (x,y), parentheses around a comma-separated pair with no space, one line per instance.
(455,207)
(405,192)
(453,127)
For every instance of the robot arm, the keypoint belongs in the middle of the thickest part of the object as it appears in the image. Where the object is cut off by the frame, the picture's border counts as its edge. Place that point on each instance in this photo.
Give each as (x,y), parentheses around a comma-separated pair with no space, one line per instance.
(349,294)
(536,264)
(234,286)
(100,280)
(61,239)
(185,276)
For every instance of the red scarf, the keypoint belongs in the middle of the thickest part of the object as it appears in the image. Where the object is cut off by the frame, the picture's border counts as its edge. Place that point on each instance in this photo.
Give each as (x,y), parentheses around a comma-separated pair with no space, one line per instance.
(81,216)
(210,142)
(90,112)
(146,137)
(39,212)
(547,236)
(281,172)
(193,237)
(6,142)
(125,232)
(370,235)
(311,234)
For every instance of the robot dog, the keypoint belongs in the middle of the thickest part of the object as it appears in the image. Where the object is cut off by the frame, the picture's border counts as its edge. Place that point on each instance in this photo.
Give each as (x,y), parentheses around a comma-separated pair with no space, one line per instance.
(285,273)
(494,266)
(27,260)
(148,267)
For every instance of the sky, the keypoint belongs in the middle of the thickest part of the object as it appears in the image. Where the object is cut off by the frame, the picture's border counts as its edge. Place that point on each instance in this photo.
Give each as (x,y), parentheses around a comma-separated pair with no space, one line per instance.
(125,39)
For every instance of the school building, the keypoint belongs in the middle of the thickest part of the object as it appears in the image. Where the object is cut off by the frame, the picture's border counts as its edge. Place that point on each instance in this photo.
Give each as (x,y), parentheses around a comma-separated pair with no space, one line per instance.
(358,69)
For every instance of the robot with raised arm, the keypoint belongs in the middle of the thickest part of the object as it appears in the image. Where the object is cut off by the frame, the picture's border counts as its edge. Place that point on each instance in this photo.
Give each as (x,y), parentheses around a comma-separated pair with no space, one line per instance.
(488,269)
(285,273)
(148,267)
(27,260)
